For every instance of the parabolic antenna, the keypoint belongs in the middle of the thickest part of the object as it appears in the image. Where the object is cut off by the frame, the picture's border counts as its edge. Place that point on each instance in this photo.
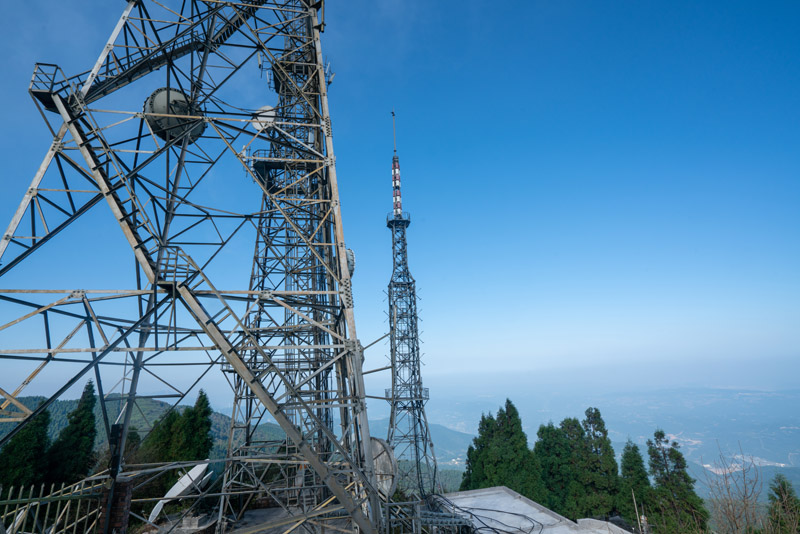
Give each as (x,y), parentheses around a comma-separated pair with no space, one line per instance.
(385,467)
(264,118)
(162,107)
(195,479)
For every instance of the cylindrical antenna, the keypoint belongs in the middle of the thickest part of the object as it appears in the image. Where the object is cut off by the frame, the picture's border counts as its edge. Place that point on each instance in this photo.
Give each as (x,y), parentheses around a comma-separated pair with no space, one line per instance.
(394,132)
(397,201)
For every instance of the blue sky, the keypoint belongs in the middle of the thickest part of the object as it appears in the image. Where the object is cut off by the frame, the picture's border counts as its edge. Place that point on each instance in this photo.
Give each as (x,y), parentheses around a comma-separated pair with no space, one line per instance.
(593,185)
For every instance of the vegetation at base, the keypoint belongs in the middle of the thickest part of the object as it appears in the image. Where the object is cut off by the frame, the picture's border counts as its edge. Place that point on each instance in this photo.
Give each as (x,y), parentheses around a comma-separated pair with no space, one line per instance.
(147,411)
(179,437)
(599,476)
(634,486)
(783,516)
(23,460)
(30,457)
(176,437)
(450,480)
(579,469)
(500,456)
(674,506)
(71,455)
(573,471)
(36,455)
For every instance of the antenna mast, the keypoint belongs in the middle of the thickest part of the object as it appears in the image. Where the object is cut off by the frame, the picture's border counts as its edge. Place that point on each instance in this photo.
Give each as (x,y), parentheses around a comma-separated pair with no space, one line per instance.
(408,425)
(394,132)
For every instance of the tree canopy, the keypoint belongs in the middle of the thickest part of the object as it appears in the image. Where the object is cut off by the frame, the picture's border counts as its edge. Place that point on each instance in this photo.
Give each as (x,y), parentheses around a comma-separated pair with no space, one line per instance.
(23,460)
(579,469)
(784,507)
(554,454)
(30,458)
(180,437)
(573,471)
(599,473)
(499,456)
(633,483)
(71,455)
(675,507)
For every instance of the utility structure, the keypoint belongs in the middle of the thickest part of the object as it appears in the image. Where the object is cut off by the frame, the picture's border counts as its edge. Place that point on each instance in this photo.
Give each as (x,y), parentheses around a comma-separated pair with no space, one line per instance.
(161,170)
(409,434)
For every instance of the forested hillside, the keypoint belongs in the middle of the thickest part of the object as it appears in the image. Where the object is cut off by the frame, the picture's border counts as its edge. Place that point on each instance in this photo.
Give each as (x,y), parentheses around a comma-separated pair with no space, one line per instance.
(147,413)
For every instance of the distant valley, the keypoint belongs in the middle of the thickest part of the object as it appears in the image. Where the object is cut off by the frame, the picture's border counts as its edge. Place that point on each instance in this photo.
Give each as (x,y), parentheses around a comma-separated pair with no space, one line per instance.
(758,424)
(764,425)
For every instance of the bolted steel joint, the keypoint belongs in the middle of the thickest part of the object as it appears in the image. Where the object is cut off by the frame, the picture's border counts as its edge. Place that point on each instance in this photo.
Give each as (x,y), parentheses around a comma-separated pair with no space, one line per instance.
(347,294)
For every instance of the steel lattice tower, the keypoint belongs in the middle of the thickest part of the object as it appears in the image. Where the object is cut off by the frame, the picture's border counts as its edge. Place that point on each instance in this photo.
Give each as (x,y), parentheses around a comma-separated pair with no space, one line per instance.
(408,425)
(183,180)
(294,255)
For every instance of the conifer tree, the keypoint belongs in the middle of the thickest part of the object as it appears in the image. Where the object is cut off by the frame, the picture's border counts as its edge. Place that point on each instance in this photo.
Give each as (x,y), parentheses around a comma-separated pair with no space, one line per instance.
(563,453)
(71,456)
(176,437)
(157,446)
(500,456)
(198,421)
(23,458)
(132,444)
(512,462)
(575,500)
(183,436)
(675,505)
(599,474)
(633,482)
(553,452)
(475,474)
(784,507)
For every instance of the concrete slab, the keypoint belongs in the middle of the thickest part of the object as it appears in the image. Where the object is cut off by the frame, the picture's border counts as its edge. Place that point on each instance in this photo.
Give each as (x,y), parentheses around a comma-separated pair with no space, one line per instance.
(507,511)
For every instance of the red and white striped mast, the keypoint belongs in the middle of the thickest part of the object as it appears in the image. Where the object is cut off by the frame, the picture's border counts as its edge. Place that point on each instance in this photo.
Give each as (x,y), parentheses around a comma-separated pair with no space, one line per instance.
(397,199)
(409,434)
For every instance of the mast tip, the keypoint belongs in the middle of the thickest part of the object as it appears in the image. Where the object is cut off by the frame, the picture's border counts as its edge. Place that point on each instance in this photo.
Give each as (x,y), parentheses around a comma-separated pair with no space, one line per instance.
(394,132)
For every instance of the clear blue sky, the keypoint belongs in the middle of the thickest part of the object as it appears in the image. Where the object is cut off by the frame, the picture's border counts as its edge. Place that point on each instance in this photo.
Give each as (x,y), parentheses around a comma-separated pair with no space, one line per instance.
(593,185)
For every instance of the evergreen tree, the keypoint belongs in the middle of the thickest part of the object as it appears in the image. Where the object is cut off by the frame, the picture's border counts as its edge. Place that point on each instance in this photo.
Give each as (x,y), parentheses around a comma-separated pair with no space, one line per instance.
(784,507)
(563,453)
(132,444)
(511,462)
(179,437)
(599,473)
(675,505)
(475,474)
(71,456)
(500,456)
(633,481)
(575,500)
(553,452)
(157,446)
(194,428)
(23,458)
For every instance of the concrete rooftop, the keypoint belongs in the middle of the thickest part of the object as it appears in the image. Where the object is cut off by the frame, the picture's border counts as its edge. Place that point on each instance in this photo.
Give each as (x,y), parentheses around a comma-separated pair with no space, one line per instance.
(508,511)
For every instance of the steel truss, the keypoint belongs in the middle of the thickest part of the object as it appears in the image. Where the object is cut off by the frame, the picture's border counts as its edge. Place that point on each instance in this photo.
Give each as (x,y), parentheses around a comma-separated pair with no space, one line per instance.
(408,425)
(287,343)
